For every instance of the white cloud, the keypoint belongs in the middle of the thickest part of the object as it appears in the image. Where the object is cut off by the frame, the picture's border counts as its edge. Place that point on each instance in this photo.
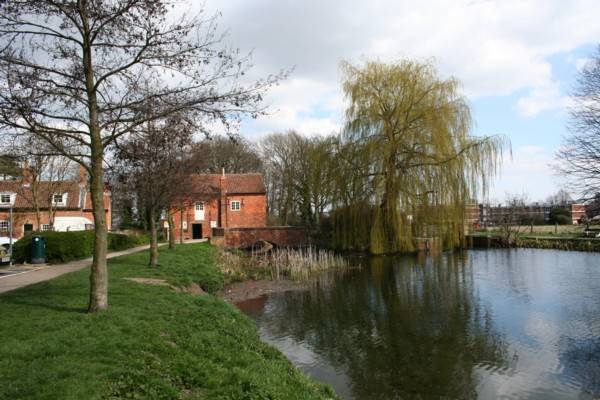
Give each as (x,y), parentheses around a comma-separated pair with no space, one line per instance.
(493,47)
(528,172)
(543,98)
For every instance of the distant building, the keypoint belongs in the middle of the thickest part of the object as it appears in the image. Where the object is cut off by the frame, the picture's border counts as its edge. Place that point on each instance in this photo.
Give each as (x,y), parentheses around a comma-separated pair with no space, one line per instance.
(72,204)
(489,215)
(578,213)
(219,201)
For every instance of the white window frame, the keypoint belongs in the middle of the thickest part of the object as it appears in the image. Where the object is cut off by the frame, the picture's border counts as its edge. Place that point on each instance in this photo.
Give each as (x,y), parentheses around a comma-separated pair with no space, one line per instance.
(199,211)
(45,227)
(236,205)
(63,201)
(11,199)
(4,226)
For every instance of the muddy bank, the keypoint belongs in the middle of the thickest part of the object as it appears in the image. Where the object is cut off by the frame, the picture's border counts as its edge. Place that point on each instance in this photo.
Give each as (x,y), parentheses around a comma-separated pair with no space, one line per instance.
(240,291)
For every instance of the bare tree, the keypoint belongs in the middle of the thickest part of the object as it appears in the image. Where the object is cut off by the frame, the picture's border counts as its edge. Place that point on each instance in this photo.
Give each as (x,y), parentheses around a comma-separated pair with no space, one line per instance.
(234,154)
(71,73)
(509,220)
(560,198)
(579,156)
(43,177)
(153,162)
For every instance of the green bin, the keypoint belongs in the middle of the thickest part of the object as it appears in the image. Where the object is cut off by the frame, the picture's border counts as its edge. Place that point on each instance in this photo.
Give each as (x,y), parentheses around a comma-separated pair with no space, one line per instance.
(38,250)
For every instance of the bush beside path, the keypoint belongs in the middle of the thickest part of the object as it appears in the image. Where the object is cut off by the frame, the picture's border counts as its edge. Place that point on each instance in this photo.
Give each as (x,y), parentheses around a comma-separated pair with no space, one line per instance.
(154,342)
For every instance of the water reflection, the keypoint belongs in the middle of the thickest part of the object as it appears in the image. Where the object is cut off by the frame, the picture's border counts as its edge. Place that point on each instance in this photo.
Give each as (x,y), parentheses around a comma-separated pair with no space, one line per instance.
(479,325)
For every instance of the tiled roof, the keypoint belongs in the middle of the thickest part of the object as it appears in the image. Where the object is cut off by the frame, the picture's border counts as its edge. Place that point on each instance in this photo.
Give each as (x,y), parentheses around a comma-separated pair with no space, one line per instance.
(234,183)
(24,195)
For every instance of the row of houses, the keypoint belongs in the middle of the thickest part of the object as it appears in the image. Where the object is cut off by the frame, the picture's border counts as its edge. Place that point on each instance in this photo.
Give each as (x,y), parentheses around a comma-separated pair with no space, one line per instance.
(482,215)
(209,205)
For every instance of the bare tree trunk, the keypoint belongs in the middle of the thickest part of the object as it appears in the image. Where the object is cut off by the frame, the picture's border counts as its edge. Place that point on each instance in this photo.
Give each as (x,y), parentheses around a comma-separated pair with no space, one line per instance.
(98,273)
(181,226)
(171,231)
(153,239)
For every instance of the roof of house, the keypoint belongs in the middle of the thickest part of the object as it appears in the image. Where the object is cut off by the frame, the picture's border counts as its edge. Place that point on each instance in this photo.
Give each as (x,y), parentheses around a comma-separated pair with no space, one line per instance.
(24,195)
(234,183)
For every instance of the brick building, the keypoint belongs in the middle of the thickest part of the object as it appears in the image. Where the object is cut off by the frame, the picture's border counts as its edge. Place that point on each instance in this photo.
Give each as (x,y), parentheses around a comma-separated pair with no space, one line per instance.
(492,215)
(578,213)
(71,201)
(219,201)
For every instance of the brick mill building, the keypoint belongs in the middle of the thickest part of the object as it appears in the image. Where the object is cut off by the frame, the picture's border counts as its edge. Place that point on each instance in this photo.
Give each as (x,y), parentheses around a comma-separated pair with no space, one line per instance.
(220,201)
(70,200)
(231,210)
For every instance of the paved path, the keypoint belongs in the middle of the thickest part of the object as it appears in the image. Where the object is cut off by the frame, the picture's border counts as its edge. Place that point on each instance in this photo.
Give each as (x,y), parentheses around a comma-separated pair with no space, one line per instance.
(30,274)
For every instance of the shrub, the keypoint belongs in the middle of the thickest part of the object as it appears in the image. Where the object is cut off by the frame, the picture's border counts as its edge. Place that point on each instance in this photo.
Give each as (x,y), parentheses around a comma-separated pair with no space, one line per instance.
(63,247)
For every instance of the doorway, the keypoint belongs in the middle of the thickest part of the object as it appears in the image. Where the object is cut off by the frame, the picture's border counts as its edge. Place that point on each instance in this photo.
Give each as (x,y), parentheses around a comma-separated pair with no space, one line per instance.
(196,231)
(27,229)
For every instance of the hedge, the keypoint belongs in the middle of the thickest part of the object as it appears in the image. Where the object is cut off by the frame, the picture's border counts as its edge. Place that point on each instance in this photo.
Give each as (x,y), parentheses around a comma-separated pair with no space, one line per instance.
(63,247)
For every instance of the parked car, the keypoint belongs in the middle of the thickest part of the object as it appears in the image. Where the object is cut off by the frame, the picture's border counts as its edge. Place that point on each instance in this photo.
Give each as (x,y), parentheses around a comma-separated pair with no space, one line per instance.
(4,250)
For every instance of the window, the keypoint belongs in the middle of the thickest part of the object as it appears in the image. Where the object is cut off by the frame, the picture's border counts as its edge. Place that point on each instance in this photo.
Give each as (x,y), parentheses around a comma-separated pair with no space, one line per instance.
(5,198)
(45,227)
(200,206)
(236,205)
(59,199)
(3,226)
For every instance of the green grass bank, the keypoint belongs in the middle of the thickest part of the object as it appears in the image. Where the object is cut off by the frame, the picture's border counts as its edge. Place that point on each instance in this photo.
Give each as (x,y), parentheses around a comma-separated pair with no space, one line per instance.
(152,343)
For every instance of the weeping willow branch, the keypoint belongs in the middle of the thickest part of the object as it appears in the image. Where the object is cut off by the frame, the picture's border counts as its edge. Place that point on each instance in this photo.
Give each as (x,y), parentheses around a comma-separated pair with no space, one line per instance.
(412,157)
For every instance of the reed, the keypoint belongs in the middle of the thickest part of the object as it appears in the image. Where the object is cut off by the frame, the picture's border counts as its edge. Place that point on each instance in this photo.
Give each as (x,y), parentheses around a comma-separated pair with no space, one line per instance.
(301,264)
(284,263)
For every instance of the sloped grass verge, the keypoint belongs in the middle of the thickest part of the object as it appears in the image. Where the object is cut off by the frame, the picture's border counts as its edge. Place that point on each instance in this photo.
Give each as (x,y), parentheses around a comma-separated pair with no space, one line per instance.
(153,343)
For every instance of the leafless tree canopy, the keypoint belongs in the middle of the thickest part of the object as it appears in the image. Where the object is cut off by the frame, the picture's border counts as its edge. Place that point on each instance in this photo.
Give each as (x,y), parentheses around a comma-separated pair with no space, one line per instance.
(75,73)
(579,156)
(46,47)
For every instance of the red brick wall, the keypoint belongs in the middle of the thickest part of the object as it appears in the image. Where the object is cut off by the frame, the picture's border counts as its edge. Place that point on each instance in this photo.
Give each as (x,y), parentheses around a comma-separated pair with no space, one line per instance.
(253,211)
(577,212)
(22,218)
(211,213)
(280,236)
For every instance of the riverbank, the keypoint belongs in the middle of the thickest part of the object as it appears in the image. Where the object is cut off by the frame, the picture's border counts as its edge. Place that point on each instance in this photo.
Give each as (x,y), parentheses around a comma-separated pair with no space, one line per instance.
(153,343)
(538,242)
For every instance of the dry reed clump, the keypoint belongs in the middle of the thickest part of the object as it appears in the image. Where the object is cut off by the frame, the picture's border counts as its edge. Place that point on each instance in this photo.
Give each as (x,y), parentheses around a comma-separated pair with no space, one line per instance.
(285,263)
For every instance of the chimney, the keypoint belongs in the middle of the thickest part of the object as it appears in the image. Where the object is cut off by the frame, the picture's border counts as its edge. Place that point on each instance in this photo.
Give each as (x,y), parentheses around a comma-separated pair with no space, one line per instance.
(83,176)
(28,175)
(223,199)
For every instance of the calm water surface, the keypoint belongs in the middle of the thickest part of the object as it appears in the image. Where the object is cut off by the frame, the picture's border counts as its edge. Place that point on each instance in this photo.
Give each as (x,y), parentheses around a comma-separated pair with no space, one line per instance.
(512,324)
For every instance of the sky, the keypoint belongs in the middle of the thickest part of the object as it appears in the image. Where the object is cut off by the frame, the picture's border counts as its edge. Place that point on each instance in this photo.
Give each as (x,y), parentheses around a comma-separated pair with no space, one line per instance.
(517,61)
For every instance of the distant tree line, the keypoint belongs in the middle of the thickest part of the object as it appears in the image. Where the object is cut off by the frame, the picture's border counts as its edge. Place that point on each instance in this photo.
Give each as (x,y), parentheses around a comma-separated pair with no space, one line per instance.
(404,166)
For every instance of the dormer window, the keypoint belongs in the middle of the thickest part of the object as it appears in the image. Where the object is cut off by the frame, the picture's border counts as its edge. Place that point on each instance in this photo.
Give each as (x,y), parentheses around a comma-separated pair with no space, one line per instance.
(7,199)
(59,199)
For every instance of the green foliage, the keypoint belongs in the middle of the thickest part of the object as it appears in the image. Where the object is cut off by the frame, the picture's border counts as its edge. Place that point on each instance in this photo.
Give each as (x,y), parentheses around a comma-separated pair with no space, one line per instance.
(152,343)
(560,216)
(408,153)
(560,244)
(532,220)
(63,247)
(9,166)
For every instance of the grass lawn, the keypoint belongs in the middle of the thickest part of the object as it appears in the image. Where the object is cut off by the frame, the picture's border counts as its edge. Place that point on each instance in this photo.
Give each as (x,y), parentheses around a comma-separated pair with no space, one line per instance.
(153,343)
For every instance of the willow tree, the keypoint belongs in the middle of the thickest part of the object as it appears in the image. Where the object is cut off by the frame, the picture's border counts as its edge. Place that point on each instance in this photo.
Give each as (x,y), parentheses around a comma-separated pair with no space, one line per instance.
(419,157)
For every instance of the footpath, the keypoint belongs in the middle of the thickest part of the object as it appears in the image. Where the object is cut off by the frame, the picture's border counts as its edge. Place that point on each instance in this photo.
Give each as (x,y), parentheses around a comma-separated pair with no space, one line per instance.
(19,276)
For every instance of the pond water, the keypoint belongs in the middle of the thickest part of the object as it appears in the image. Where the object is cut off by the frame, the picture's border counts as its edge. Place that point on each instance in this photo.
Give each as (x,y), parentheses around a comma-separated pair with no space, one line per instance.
(522,324)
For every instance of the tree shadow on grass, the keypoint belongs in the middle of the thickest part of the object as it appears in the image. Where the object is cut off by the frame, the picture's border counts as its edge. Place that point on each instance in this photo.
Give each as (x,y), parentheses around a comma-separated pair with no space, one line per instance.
(49,299)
